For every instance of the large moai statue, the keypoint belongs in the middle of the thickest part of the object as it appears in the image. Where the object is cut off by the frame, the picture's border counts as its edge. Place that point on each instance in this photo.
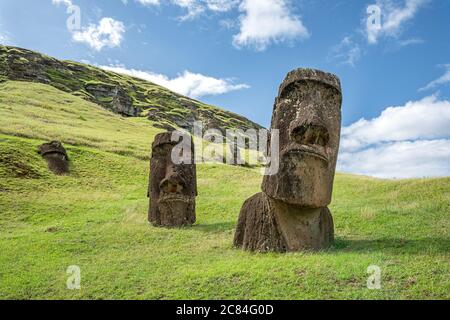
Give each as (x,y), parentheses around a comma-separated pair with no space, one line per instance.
(56,157)
(172,187)
(291,213)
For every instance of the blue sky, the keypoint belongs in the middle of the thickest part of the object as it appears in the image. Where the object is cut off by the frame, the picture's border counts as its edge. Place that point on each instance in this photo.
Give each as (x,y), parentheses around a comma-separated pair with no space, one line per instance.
(235,53)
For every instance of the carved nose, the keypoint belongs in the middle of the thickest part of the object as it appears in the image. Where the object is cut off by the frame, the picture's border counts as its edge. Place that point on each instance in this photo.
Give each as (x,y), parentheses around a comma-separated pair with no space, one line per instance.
(172,184)
(310,132)
(169,186)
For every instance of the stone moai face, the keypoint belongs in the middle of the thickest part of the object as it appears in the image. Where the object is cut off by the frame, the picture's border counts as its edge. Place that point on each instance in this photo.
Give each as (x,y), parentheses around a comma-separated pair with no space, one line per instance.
(307,113)
(56,157)
(172,188)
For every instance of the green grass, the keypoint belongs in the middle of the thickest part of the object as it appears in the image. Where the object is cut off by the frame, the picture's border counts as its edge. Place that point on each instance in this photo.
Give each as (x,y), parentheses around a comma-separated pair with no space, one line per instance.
(40,111)
(96,218)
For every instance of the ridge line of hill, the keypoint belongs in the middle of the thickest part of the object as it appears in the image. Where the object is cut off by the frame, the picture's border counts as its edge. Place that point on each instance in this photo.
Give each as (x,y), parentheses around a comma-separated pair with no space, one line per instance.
(122,94)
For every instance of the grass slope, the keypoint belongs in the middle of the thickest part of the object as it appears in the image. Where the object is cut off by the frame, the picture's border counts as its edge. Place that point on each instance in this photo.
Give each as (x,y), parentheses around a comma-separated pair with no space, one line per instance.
(117,92)
(96,219)
(38,111)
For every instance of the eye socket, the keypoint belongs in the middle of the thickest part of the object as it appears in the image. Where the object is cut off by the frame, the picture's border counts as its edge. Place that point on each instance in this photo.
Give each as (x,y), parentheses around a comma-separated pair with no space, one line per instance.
(161,150)
(323,137)
(157,151)
(311,134)
(298,133)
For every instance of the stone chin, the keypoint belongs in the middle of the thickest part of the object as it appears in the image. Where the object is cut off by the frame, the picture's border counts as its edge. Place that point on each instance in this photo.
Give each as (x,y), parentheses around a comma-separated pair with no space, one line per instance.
(303,179)
(175,209)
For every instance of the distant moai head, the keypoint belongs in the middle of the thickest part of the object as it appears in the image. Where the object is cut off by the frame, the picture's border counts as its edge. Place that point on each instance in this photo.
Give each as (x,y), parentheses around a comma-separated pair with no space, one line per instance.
(173,187)
(56,157)
(307,113)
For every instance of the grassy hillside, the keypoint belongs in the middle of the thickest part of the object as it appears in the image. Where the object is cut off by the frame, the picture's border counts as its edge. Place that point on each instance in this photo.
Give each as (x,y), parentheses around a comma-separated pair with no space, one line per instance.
(96,219)
(119,93)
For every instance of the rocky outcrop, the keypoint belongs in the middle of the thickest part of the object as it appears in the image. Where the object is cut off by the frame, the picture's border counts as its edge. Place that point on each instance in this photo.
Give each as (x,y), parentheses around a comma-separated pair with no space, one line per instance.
(115,97)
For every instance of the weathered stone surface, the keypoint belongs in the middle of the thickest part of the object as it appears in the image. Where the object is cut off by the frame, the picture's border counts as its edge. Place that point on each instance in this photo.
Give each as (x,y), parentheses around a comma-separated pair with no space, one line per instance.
(119,101)
(56,157)
(307,113)
(172,187)
(257,228)
(267,224)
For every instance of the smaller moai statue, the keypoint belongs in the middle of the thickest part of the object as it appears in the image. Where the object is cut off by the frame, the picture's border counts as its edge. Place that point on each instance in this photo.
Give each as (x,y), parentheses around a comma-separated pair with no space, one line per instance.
(172,187)
(291,213)
(56,157)
(234,155)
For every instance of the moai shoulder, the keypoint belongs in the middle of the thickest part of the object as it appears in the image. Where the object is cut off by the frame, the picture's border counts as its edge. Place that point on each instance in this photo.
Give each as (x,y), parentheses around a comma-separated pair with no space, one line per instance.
(257,228)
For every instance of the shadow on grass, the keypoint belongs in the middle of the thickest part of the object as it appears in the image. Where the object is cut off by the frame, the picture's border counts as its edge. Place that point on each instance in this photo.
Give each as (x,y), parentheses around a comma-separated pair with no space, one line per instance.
(394,245)
(215,227)
(387,245)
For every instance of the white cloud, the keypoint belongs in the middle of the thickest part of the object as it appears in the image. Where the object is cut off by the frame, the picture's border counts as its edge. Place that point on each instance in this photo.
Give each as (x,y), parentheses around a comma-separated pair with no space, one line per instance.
(195,7)
(262,22)
(394,14)
(409,42)
(445,78)
(406,159)
(4,36)
(3,39)
(428,118)
(67,3)
(267,21)
(403,142)
(221,5)
(393,18)
(190,84)
(346,52)
(148,2)
(108,33)
(228,24)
